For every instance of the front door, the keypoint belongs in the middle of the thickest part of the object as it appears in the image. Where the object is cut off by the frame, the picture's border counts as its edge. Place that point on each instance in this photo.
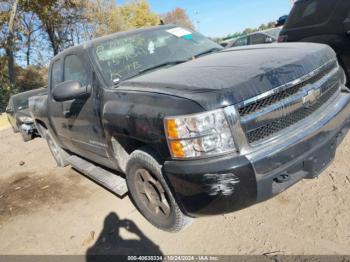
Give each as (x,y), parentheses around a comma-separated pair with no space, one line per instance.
(79,126)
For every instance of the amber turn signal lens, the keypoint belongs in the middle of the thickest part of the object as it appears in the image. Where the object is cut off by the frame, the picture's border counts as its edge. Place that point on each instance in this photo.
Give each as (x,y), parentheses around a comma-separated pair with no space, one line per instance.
(176,149)
(171,129)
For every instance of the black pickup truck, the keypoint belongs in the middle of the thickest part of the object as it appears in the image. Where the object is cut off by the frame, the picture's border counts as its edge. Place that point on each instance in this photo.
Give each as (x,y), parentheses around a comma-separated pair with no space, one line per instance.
(190,129)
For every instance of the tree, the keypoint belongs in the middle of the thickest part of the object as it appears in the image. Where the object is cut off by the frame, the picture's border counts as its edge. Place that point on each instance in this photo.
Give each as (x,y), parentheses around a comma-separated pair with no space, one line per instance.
(58,18)
(106,17)
(30,25)
(103,17)
(137,14)
(10,42)
(31,77)
(179,17)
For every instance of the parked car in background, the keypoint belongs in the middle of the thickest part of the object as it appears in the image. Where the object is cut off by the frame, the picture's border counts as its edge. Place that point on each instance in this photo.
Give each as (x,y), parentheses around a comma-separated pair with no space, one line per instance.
(262,37)
(321,21)
(18,113)
(224,43)
(191,129)
(281,21)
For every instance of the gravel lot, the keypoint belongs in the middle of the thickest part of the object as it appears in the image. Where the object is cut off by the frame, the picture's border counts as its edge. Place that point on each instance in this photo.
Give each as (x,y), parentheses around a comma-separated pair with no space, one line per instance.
(48,210)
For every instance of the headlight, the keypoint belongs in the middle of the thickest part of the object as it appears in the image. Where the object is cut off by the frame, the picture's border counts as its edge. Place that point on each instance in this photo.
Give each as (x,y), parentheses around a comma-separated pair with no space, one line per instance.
(25,119)
(198,135)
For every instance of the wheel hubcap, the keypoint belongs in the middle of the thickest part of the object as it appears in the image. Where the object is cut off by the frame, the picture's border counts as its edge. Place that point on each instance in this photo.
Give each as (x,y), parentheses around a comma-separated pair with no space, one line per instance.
(152,194)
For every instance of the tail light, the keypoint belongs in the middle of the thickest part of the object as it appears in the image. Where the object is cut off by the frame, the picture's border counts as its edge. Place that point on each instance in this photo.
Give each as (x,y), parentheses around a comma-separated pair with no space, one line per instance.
(282,38)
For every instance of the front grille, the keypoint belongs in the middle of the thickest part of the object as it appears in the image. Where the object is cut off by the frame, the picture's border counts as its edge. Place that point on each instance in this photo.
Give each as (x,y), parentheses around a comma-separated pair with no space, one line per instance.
(275,126)
(270,100)
(265,117)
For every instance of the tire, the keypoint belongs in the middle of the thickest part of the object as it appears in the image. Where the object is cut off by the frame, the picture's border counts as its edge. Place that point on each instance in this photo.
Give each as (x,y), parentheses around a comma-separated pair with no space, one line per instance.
(154,192)
(57,152)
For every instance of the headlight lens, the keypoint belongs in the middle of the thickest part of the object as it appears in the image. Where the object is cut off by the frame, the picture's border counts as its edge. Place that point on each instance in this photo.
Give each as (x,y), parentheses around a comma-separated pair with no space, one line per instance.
(25,119)
(199,135)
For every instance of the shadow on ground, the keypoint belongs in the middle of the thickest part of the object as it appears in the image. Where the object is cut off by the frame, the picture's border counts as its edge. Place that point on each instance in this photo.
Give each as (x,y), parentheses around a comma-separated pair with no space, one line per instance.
(109,242)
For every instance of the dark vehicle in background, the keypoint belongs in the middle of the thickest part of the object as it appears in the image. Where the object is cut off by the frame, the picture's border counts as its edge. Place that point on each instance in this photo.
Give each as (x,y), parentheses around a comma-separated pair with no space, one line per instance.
(188,128)
(262,37)
(281,21)
(321,21)
(19,116)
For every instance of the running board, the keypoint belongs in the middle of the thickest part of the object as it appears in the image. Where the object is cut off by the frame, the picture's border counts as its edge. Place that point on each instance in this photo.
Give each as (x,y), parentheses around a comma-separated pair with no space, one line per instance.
(111,181)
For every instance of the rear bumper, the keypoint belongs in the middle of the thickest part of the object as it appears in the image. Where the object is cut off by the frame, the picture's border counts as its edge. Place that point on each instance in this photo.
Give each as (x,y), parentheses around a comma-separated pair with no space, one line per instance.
(226,184)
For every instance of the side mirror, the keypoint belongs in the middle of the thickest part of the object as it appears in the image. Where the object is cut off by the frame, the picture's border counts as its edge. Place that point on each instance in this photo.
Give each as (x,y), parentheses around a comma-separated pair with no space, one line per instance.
(70,90)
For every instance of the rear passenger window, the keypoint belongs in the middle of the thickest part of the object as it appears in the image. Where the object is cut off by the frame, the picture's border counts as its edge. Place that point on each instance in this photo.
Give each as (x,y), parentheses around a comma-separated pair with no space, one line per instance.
(56,74)
(310,12)
(75,70)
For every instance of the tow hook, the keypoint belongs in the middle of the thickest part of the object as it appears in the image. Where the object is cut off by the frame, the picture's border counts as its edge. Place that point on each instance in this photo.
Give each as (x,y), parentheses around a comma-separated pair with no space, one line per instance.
(281,178)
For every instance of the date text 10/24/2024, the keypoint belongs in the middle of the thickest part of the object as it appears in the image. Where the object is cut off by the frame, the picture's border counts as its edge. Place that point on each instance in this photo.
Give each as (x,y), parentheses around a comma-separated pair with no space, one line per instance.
(173,258)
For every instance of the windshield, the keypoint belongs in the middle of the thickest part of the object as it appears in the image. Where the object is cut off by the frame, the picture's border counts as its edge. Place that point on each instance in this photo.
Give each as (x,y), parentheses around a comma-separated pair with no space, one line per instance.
(127,56)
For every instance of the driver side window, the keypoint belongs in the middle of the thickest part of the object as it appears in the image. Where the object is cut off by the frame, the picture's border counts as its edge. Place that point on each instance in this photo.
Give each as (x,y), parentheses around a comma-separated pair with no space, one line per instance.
(75,70)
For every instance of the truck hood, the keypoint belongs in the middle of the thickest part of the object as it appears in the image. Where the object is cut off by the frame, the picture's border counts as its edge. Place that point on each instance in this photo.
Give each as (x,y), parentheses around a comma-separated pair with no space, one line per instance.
(234,75)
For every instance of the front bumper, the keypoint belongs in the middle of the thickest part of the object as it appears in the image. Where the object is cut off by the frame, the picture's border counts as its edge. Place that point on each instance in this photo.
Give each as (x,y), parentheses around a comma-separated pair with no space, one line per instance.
(225,184)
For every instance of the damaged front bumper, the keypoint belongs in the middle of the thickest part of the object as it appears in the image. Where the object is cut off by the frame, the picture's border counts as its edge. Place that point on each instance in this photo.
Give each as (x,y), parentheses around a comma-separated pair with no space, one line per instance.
(225,184)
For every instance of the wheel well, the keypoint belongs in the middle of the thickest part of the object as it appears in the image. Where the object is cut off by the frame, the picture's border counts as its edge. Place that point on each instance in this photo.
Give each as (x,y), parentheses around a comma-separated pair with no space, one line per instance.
(123,148)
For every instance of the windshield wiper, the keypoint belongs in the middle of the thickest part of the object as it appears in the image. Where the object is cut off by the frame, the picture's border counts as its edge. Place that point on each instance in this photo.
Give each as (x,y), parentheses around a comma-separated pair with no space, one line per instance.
(169,63)
(207,52)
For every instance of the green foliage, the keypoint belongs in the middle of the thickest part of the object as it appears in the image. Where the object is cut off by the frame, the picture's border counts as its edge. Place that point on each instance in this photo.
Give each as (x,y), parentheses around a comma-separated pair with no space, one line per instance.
(31,77)
(28,78)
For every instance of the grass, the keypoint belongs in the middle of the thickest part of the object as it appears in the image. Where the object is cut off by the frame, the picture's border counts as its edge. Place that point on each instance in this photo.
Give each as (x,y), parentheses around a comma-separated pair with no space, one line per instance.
(4,123)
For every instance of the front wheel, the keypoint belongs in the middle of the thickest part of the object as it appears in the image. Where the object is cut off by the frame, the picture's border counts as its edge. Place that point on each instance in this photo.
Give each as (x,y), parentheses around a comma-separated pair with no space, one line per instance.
(150,193)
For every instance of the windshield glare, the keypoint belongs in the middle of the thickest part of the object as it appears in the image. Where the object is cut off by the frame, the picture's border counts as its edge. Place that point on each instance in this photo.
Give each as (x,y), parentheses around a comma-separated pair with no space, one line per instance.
(124,57)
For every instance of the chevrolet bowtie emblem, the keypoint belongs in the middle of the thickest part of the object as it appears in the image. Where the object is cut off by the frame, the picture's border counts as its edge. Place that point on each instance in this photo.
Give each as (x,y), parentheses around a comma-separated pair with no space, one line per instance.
(311,96)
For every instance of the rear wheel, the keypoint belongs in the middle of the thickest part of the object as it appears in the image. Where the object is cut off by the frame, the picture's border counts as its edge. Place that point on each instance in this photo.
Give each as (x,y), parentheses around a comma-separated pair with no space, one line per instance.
(151,195)
(57,152)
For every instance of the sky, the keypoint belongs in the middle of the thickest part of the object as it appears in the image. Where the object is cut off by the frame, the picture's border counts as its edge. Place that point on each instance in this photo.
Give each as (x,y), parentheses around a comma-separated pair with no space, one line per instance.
(218,18)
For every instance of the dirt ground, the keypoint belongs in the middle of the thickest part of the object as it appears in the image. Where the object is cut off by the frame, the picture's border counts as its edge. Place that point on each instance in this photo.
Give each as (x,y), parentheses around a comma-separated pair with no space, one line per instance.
(48,210)
(4,124)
